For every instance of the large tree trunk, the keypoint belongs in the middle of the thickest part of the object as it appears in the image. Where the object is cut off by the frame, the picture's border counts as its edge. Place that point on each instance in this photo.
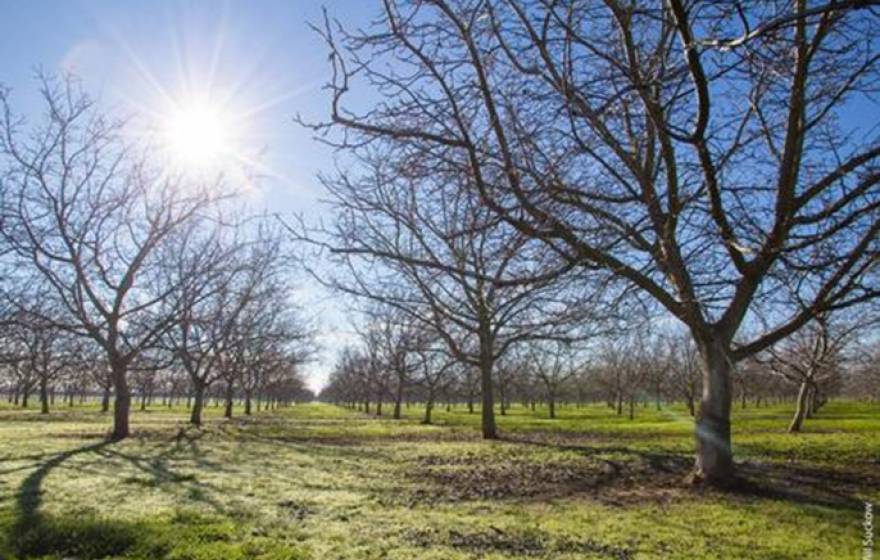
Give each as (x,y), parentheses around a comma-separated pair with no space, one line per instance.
(44,396)
(551,403)
(800,410)
(122,404)
(714,461)
(195,417)
(486,390)
(247,403)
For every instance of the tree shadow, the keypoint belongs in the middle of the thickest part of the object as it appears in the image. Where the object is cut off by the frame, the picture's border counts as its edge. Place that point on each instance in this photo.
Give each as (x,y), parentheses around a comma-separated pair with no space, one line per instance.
(36,534)
(659,471)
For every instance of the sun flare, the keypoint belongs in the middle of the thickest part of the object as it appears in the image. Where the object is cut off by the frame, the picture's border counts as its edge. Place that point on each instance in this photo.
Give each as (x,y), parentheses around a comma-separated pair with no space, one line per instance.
(197,134)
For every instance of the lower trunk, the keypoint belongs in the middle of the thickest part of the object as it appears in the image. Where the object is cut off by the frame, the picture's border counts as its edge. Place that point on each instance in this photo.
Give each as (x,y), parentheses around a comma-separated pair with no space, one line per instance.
(429,406)
(44,397)
(195,417)
(632,408)
(398,398)
(691,408)
(122,404)
(247,403)
(551,403)
(800,410)
(486,394)
(227,412)
(714,462)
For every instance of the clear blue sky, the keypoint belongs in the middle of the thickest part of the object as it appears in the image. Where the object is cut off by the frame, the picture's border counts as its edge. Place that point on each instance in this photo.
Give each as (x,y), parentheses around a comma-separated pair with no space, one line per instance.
(258,56)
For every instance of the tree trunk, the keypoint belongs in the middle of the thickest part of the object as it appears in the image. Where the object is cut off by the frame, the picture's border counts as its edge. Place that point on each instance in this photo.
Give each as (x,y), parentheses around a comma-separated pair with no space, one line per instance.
(429,406)
(690,404)
(247,403)
(195,417)
(632,408)
(800,410)
(227,413)
(44,396)
(122,404)
(714,461)
(397,399)
(486,390)
(620,403)
(551,403)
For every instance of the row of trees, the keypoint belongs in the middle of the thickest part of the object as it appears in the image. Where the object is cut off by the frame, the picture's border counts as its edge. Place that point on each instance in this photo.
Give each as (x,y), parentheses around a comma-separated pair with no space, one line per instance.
(528,166)
(398,364)
(116,267)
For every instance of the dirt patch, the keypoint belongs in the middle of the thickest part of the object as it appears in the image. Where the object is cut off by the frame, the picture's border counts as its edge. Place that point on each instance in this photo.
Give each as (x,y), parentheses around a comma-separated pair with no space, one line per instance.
(521,543)
(473,476)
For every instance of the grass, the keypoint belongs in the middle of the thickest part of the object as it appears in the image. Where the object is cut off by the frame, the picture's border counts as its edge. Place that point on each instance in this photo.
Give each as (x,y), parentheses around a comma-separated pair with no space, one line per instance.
(321,482)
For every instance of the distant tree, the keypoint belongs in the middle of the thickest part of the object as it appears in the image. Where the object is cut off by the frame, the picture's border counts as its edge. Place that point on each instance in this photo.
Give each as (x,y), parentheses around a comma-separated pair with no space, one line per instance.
(812,359)
(553,364)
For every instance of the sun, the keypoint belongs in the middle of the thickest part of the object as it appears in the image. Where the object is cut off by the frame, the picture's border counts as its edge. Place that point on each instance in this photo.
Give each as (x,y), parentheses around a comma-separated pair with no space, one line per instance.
(198,134)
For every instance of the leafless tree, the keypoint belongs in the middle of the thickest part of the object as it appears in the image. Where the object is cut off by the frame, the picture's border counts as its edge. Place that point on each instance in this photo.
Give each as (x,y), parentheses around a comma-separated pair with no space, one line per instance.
(446,264)
(812,359)
(86,216)
(553,364)
(700,151)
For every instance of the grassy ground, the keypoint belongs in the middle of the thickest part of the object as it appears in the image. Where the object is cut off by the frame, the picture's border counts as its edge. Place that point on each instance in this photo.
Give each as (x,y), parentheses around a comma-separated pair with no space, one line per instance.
(319,482)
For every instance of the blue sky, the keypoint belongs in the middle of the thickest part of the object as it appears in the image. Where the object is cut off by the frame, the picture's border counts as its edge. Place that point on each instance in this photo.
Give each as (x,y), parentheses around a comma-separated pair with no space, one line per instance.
(258,58)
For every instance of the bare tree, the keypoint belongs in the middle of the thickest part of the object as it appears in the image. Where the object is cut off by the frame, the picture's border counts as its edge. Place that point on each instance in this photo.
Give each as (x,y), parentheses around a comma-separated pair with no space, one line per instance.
(700,151)
(446,264)
(553,364)
(86,216)
(812,359)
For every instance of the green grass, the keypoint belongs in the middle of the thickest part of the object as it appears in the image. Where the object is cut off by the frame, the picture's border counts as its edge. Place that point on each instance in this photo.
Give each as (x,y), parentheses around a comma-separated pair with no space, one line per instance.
(321,482)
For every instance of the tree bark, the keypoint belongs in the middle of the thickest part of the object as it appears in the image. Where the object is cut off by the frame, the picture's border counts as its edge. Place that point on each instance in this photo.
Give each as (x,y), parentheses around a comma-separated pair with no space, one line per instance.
(195,417)
(227,413)
(714,461)
(487,391)
(44,397)
(551,403)
(247,403)
(122,404)
(800,410)
(429,406)
(397,399)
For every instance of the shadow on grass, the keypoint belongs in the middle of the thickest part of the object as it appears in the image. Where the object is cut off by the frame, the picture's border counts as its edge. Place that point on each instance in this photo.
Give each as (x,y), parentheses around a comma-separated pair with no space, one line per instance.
(34,534)
(654,472)
(37,534)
